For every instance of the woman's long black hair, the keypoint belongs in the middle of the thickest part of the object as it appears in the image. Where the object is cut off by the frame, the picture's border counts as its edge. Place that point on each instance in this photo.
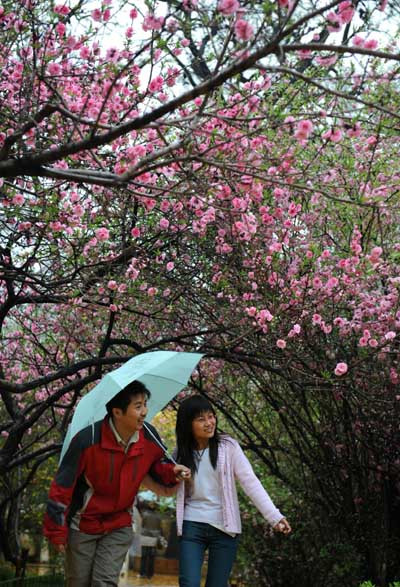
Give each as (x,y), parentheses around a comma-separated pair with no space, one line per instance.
(188,410)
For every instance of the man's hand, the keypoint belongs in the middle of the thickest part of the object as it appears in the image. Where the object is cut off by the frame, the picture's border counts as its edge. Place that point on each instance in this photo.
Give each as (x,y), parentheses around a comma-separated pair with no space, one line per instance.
(283,526)
(59,547)
(182,473)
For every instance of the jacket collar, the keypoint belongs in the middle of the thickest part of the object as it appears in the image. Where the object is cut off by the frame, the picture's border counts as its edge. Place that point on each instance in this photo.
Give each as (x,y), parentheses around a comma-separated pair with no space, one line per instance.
(109,440)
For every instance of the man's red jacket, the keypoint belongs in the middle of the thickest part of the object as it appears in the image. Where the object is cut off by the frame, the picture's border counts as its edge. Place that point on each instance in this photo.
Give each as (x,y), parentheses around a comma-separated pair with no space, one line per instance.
(96,483)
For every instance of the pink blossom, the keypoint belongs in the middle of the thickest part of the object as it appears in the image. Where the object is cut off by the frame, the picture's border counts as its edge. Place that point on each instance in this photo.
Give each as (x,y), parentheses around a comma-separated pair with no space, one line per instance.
(373,342)
(336,135)
(305,126)
(152,23)
(252,311)
(135,232)
(102,234)
(172,25)
(156,84)
(96,15)
(394,378)
(113,308)
(164,223)
(132,273)
(84,52)
(54,68)
(243,30)
(358,41)
(332,282)
(341,369)
(152,291)
(281,344)
(371,44)
(327,328)
(326,60)
(265,315)
(346,11)
(112,284)
(334,22)
(60,28)
(18,199)
(170,266)
(228,7)
(149,204)
(304,53)
(61,9)
(133,13)
(56,226)
(316,319)
(390,335)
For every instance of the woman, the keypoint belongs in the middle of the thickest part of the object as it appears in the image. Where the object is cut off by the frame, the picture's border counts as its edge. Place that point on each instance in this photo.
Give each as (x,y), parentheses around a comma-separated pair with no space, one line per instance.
(207,508)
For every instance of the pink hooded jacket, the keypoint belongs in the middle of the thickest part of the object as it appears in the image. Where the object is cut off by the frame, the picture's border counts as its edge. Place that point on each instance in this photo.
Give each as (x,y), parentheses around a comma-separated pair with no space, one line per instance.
(232,464)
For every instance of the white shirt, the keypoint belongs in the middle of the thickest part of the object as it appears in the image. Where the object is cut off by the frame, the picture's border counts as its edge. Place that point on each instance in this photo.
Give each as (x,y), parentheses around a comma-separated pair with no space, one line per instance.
(204,504)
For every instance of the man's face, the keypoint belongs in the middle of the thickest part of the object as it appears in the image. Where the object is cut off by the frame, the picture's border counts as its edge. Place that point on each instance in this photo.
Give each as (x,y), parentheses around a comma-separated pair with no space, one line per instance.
(132,419)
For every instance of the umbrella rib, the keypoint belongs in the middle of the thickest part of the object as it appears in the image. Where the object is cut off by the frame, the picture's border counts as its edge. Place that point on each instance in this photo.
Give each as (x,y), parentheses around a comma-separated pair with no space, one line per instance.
(160,444)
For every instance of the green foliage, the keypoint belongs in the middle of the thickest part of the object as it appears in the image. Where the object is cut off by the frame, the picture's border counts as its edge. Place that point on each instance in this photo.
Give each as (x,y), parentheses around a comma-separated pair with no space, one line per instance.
(341,531)
(370,584)
(6,572)
(310,556)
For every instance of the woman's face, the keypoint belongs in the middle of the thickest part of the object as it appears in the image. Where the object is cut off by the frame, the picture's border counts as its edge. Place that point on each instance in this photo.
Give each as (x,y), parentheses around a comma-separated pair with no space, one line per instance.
(203,426)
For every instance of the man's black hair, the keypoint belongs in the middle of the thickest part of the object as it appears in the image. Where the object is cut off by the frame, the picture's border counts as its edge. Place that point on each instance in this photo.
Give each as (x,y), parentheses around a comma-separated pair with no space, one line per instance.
(124,397)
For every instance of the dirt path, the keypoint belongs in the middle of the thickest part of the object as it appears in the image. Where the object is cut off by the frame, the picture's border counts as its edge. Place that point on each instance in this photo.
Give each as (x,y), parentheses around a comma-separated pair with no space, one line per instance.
(133,580)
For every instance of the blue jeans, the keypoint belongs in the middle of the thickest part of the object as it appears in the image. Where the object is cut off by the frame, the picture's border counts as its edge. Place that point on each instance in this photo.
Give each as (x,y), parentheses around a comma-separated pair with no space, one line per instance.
(196,538)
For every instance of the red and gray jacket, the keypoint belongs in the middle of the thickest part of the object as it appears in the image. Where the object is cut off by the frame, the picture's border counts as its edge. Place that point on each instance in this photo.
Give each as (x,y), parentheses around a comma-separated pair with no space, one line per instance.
(96,483)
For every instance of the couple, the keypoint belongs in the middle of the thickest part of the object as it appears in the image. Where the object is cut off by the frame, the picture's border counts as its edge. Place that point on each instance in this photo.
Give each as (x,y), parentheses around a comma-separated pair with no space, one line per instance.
(90,500)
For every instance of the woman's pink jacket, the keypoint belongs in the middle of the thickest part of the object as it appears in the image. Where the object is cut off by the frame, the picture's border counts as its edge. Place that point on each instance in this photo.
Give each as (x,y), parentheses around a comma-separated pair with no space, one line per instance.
(233,465)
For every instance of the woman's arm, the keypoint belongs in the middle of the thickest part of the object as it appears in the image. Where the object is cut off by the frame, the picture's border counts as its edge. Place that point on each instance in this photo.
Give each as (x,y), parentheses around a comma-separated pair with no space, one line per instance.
(253,488)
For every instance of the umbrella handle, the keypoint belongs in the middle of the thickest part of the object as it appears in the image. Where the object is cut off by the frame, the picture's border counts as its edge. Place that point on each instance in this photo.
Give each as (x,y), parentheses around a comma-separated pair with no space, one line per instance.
(160,444)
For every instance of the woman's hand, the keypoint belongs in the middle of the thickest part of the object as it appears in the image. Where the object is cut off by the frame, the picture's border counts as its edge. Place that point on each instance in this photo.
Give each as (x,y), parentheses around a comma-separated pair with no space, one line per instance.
(182,473)
(283,526)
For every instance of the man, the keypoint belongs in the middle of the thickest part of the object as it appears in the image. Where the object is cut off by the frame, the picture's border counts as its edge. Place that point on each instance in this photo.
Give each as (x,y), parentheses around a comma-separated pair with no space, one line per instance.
(89,510)
(150,538)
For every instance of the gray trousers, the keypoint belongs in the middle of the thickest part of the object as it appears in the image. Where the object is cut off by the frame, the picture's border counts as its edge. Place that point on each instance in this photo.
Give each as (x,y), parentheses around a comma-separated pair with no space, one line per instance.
(95,560)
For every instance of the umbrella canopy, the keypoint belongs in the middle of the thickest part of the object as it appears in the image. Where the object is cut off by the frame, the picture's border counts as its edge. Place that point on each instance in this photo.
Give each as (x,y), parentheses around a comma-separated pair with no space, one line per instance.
(164,373)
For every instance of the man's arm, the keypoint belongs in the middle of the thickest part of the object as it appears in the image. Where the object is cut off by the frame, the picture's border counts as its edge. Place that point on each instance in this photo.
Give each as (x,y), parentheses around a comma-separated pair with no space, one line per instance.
(157,488)
(168,474)
(60,494)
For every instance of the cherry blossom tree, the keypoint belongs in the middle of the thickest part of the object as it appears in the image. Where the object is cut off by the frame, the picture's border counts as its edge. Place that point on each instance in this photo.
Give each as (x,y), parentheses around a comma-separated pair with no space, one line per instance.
(216,176)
